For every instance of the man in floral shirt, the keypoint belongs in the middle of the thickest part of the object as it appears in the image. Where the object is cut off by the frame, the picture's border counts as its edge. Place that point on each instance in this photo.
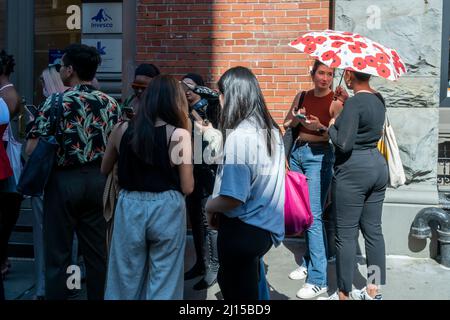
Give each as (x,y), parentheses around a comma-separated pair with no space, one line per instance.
(73,195)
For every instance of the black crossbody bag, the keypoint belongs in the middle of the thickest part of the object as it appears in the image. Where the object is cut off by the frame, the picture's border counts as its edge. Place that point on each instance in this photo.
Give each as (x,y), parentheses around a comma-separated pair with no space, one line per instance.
(40,164)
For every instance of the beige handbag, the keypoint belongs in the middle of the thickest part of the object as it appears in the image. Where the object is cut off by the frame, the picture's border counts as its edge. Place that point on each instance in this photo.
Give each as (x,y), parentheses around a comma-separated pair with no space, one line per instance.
(389,149)
(110,195)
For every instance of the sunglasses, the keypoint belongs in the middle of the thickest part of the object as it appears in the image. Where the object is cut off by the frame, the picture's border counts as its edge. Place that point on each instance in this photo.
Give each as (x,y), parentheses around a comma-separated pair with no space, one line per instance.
(138,86)
(57,66)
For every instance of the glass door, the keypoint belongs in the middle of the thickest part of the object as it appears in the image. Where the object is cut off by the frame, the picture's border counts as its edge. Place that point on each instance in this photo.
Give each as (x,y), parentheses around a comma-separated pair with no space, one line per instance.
(57,24)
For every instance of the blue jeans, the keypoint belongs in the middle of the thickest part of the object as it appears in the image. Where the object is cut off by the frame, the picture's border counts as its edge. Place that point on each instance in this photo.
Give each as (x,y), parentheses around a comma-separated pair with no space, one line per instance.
(316,162)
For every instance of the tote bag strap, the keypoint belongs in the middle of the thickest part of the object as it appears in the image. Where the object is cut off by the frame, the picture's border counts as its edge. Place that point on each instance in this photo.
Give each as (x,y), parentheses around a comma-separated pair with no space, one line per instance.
(56,114)
(300,101)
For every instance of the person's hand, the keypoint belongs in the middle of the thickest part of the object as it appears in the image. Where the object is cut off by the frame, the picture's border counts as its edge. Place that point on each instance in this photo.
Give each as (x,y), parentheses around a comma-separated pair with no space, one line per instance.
(341,94)
(313,123)
(295,120)
(203,126)
(188,84)
(213,220)
(332,122)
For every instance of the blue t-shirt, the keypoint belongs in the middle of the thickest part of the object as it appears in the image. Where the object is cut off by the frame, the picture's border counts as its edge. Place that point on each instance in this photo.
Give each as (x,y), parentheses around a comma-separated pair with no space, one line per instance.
(251,176)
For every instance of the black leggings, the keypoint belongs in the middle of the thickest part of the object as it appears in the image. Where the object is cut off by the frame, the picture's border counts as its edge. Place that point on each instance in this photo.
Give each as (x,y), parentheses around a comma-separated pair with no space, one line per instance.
(241,246)
(358,191)
(9,213)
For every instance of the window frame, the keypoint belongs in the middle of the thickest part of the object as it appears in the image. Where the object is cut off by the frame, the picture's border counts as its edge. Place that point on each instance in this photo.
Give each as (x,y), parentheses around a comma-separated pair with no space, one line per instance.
(444,99)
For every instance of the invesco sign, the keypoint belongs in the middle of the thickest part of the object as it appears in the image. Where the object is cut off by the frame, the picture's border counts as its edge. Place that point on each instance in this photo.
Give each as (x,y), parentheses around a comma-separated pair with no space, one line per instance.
(102,20)
(95,18)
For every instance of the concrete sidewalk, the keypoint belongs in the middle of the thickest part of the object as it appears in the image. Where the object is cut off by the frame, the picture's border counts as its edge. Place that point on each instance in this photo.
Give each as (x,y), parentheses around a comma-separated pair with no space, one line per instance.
(407,278)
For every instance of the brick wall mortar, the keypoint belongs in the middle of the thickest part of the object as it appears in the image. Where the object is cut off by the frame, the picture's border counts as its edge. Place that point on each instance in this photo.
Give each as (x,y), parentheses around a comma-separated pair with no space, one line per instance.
(210,36)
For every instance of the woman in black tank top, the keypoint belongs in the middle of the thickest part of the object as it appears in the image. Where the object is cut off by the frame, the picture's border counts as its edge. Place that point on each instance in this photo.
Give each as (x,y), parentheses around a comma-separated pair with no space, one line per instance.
(154,154)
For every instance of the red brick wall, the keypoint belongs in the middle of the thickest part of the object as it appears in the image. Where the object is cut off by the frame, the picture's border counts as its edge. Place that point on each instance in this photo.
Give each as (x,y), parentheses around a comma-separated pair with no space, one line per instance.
(210,36)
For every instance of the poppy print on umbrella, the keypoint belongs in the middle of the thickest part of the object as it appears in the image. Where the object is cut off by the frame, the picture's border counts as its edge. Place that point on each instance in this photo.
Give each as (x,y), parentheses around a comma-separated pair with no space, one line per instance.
(350,51)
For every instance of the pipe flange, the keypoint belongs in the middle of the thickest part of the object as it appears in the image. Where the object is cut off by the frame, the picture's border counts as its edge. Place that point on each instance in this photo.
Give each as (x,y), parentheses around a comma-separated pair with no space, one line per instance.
(443,236)
(421,233)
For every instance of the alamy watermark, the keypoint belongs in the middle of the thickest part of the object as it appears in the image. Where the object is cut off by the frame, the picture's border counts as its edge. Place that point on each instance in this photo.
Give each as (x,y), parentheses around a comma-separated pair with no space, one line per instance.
(74,279)
(243,147)
(374,17)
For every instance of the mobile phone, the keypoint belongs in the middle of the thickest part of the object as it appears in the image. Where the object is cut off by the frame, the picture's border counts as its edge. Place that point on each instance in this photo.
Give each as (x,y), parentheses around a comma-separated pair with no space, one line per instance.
(301,116)
(32,110)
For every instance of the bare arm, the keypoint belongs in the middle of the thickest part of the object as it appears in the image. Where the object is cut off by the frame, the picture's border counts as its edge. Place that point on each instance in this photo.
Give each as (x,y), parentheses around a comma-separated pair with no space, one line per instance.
(11,98)
(180,153)
(222,204)
(31,145)
(291,120)
(335,110)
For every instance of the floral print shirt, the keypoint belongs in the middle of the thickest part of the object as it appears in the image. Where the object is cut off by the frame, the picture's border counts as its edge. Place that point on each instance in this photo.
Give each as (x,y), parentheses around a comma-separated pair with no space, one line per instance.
(88,118)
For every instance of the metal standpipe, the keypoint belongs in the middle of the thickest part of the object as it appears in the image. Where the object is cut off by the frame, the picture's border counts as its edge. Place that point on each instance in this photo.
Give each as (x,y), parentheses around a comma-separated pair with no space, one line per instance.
(421,230)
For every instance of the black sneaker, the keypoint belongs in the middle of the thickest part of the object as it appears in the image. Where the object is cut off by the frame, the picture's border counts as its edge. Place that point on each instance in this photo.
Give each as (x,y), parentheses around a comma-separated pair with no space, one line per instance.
(203,284)
(196,271)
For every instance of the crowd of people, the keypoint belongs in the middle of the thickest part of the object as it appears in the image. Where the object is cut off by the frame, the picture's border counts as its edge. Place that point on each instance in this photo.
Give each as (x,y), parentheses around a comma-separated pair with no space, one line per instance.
(177,149)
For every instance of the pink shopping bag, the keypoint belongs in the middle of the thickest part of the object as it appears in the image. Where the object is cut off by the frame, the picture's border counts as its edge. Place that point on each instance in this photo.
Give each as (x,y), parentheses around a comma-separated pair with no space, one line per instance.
(297,209)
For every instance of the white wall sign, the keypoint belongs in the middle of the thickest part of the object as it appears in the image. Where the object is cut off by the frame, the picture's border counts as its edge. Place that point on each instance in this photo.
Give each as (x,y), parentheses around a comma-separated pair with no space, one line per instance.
(102,17)
(111,52)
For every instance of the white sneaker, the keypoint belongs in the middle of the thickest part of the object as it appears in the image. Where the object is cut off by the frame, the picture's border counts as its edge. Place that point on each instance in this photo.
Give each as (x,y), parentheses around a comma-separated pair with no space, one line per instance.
(299,274)
(334,296)
(310,291)
(363,295)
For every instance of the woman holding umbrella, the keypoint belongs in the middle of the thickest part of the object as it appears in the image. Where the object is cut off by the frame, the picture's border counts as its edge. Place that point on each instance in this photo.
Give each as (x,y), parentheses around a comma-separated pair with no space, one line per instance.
(359,187)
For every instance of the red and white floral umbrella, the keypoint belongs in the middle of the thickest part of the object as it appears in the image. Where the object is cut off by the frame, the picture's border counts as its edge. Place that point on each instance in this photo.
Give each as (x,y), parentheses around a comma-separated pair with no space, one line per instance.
(351,51)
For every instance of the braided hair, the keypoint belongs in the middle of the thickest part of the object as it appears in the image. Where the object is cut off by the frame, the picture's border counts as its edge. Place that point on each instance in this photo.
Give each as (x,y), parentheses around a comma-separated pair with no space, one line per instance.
(7,63)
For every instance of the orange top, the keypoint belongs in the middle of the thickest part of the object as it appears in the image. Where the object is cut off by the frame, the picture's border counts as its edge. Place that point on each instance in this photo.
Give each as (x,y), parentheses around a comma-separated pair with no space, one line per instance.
(319,107)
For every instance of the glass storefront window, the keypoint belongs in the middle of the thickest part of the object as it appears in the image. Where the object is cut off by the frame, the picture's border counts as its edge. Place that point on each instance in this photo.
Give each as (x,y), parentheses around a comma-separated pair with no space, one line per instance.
(51,35)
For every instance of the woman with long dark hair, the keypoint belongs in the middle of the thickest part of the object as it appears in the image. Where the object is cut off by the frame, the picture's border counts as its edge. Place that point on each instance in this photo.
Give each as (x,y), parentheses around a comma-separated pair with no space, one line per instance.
(146,259)
(248,197)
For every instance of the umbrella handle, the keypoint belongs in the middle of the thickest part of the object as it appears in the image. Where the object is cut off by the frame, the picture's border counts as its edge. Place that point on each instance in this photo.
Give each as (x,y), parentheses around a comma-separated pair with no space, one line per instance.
(342,77)
(340,82)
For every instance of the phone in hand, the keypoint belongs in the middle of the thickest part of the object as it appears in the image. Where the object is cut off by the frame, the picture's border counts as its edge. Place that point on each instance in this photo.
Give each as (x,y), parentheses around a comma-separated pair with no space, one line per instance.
(32,111)
(301,116)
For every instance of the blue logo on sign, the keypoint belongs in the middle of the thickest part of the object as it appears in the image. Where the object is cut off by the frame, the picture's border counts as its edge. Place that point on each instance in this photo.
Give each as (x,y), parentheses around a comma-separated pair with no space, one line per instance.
(102,20)
(100,49)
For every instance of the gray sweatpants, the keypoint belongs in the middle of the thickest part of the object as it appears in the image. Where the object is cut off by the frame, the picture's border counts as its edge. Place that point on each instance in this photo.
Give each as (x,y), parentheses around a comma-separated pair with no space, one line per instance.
(146,259)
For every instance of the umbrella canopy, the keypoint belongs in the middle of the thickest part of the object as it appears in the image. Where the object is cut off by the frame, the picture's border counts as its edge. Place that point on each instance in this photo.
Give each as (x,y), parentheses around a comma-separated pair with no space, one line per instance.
(351,51)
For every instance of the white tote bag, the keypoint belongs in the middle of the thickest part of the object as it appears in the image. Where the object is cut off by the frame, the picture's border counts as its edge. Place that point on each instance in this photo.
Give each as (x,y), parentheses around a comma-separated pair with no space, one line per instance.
(14,151)
(389,149)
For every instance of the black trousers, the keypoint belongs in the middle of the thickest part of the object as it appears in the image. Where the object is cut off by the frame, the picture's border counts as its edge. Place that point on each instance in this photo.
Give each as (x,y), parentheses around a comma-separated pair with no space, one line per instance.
(199,226)
(73,201)
(358,191)
(240,246)
(9,213)
(195,202)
